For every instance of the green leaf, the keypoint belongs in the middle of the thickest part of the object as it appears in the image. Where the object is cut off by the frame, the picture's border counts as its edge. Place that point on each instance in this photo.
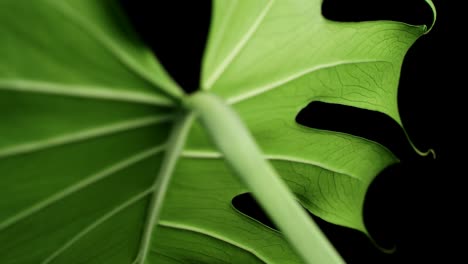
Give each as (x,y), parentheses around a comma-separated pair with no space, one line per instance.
(93,129)
(86,114)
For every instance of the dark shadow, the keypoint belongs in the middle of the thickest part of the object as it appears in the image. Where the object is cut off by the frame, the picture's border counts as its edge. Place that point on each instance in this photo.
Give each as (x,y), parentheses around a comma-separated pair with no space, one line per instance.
(247,205)
(176,31)
(367,124)
(415,12)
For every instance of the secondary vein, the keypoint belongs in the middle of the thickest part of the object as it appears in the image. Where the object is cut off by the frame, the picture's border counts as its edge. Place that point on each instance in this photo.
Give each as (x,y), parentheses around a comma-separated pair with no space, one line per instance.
(175,146)
(216,155)
(29,147)
(235,51)
(270,86)
(84,91)
(169,224)
(94,225)
(87,181)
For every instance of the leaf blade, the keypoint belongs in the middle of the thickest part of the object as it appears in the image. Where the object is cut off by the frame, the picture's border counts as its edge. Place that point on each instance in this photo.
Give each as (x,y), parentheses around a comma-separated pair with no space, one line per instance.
(116,89)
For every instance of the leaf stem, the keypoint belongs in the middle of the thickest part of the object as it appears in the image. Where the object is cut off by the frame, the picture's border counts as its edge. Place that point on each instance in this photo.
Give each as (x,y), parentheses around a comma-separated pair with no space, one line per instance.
(174,148)
(248,162)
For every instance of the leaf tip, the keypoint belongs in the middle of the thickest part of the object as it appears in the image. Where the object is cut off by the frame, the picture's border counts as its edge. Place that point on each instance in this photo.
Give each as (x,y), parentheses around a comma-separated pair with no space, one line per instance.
(427,28)
(385,250)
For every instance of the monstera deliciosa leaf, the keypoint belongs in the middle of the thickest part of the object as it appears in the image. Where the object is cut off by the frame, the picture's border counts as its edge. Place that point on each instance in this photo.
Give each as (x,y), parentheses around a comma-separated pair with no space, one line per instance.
(95,137)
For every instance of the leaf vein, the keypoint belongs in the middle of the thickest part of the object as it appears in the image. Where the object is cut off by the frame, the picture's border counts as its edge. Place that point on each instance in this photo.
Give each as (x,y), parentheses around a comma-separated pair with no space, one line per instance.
(200,231)
(217,155)
(174,148)
(271,86)
(82,135)
(109,45)
(94,225)
(120,165)
(83,91)
(240,45)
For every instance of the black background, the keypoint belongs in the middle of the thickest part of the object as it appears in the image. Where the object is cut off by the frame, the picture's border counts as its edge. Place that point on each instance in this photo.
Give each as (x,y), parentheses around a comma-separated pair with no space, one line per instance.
(412,205)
